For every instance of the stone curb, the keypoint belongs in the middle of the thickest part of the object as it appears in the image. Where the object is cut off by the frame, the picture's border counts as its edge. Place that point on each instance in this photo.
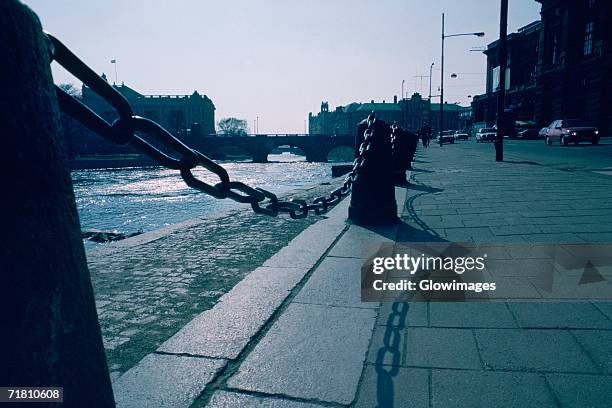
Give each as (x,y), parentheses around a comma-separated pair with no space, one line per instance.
(219,334)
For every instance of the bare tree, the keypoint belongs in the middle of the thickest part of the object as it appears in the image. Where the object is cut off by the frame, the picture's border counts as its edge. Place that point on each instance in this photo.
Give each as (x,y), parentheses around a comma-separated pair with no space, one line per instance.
(232,127)
(70,89)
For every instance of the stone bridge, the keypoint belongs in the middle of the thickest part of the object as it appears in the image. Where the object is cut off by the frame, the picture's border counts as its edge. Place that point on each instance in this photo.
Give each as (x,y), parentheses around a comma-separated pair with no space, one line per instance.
(316,147)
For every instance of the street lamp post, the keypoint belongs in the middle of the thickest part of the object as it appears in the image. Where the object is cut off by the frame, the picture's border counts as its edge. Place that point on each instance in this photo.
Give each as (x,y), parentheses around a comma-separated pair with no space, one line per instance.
(429,110)
(402,102)
(501,95)
(478,34)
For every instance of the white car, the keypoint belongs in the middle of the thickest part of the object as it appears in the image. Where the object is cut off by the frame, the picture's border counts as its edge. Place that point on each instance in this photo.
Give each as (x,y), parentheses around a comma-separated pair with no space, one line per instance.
(486,135)
(461,135)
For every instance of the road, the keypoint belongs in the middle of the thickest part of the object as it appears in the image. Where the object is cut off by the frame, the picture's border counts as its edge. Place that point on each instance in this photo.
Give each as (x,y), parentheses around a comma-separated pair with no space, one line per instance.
(584,157)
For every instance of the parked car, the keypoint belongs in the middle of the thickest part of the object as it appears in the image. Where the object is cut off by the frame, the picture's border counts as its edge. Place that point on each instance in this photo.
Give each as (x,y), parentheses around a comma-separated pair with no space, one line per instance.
(520,126)
(542,133)
(461,135)
(486,135)
(566,131)
(448,136)
(527,134)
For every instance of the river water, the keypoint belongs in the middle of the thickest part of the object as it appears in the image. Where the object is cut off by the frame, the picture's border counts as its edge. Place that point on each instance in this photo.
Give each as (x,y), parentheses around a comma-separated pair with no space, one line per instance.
(145,199)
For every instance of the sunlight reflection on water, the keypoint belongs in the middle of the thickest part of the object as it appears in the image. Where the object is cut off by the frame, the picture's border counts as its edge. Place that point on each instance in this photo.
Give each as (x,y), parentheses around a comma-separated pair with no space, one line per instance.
(128,200)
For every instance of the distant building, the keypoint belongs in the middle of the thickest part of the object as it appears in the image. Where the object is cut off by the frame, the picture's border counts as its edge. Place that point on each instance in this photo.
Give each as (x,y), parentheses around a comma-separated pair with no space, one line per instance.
(409,113)
(575,62)
(522,60)
(176,113)
(456,117)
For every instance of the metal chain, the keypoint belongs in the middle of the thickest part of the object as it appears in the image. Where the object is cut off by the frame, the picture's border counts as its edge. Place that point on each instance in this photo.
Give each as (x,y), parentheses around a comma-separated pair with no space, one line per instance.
(180,156)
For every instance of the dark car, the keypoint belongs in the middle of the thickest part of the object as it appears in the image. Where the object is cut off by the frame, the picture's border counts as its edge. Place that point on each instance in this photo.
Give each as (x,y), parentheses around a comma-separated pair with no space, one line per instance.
(448,136)
(566,131)
(527,134)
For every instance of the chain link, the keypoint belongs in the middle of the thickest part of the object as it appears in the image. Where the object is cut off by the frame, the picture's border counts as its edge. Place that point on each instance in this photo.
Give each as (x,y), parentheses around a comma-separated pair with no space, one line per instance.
(128,128)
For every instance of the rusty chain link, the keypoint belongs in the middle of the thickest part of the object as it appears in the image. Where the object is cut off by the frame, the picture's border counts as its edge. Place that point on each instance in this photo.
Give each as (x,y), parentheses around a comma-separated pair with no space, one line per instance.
(183,158)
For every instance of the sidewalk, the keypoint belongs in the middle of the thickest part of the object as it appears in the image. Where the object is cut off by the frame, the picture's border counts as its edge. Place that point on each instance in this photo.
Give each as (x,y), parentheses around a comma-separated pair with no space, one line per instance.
(294,332)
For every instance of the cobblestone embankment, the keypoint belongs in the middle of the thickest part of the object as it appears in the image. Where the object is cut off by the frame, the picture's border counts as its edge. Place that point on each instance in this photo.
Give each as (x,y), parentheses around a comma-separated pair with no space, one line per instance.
(150,286)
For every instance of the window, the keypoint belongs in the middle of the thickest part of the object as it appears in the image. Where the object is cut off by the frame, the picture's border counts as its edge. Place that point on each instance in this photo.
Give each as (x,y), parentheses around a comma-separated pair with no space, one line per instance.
(588,38)
(554,50)
(591,3)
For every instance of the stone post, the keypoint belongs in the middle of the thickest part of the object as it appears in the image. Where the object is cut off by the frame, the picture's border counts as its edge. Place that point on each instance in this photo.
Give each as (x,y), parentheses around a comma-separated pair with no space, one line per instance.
(50,331)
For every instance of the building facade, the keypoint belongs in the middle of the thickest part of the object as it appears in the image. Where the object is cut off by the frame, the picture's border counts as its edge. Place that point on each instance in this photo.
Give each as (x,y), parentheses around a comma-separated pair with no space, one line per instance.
(410,113)
(558,67)
(575,62)
(522,61)
(176,113)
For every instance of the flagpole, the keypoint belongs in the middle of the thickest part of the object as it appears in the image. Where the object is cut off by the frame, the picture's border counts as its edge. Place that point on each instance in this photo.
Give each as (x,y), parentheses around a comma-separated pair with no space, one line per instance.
(114,62)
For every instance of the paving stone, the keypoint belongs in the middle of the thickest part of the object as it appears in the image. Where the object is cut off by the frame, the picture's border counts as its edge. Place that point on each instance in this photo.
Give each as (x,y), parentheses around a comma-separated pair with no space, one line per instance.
(598,343)
(569,288)
(424,347)
(335,282)
(515,229)
(565,237)
(559,315)
(402,314)
(225,399)
(384,386)
(519,267)
(470,314)
(580,390)
(538,350)
(311,352)
(448,222)
(360,242)
(595,237)
(485,222)
(306,249)
(225,330)
(165,381)
(454,388)
(468,235)
(605,308)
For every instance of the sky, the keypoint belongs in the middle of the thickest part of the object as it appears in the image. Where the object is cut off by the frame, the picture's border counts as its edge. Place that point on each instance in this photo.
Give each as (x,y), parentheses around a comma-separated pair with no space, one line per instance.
(279,59)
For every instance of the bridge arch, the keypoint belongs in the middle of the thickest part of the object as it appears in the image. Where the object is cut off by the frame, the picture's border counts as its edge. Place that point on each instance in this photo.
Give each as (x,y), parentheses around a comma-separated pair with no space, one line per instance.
(300,142)
(288,147)
(316,147)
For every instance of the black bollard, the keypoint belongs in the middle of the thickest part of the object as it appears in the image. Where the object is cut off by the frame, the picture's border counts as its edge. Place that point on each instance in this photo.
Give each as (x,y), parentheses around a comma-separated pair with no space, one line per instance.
(373,191)
(50,331)
(404,145)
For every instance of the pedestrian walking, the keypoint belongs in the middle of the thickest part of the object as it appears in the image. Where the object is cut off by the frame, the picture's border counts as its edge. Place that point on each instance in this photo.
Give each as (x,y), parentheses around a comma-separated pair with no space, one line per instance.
(425,133)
